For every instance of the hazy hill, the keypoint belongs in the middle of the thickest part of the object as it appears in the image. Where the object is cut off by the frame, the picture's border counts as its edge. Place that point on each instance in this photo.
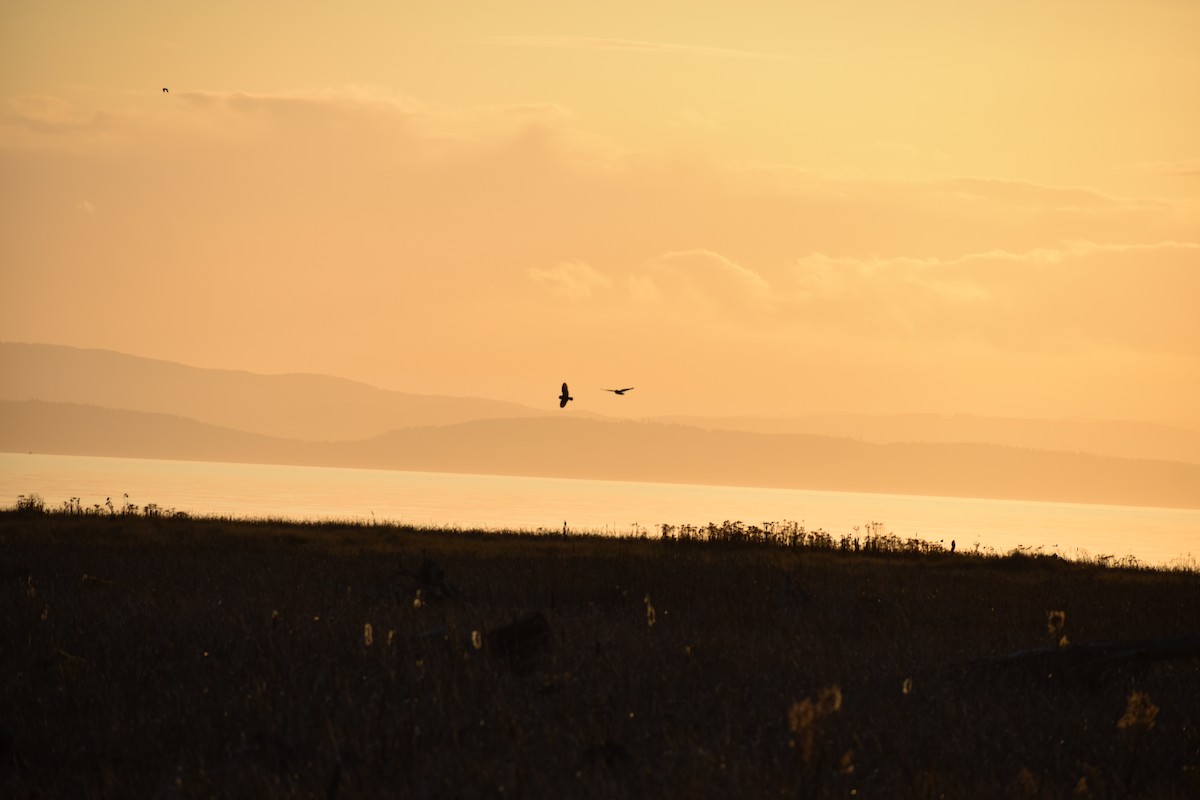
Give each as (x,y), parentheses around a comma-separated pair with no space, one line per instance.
(565,447)
(323,408)
(570,447)
(1106,438)
(309,407)
(93,402)
(71,429)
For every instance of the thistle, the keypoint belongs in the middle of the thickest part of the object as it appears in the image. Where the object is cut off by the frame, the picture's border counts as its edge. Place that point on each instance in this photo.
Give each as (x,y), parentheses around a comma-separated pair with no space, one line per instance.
(1140,713)
(1055,621)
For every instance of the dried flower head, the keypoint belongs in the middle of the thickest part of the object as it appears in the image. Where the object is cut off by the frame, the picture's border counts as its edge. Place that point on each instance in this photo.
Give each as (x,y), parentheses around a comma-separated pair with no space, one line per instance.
(829,700)
(368,635)
(801,715)
(1027,782)
(1055,622)
(805,715)
(1140,713)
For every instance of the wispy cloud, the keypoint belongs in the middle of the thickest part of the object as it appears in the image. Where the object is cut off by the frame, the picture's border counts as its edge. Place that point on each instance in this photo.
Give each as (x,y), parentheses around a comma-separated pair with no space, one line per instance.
(573,280)
(909,152)
(593,43)
(1185,168)
(1080,293)
(704,275)
(374,179)
(46,115)
(1074,297)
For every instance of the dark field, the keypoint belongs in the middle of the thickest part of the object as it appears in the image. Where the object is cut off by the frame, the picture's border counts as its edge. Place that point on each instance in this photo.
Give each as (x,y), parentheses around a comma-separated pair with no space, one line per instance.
(154,657)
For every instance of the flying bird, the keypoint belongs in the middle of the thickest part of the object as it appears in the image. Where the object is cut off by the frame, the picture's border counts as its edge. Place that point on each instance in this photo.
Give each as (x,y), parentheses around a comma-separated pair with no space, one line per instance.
(165,90)
(619,391)
(565,397)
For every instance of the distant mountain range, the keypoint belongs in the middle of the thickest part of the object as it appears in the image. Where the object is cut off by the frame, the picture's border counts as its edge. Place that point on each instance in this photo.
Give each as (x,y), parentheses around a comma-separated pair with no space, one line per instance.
(1106,438)
(305,407)
(89,402)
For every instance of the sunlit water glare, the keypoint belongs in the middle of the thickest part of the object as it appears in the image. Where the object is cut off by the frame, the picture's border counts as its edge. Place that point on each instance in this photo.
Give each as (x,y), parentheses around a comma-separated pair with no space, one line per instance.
(1158,536)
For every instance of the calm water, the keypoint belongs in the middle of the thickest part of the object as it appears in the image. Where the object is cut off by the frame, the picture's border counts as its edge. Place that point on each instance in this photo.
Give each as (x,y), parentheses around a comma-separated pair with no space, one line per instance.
(1152,535)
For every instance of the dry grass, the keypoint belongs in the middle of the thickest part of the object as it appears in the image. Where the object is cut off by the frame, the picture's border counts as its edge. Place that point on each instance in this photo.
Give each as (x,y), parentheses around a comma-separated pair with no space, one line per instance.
(158,657)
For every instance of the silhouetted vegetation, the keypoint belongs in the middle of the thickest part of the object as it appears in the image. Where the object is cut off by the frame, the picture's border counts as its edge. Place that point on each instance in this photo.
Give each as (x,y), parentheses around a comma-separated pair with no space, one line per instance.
(154,655)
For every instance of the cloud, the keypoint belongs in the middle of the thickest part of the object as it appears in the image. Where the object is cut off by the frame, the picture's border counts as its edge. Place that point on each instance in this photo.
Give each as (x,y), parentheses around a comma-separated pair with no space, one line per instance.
(1024,194)
(319,102)
(325,116)
(572,280)
(676,283)
(340,218)
(488,149)
(703,276)
(1137,297)
(1184,168)
(908,152)
(594,43)
(39,110)
(691,119)
(348,119)
(946,218)
(46,115)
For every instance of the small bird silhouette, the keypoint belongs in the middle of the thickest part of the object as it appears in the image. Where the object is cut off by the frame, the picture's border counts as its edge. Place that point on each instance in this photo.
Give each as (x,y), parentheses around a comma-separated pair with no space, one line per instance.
(165,90)
(565,397)
(619,391)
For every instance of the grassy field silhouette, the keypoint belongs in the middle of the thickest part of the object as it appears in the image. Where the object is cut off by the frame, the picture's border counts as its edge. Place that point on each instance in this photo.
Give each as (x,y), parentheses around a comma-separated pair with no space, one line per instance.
(150,655)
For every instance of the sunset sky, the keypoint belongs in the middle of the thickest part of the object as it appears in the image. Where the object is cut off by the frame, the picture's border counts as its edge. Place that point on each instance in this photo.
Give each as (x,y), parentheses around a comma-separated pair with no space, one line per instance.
(750,208)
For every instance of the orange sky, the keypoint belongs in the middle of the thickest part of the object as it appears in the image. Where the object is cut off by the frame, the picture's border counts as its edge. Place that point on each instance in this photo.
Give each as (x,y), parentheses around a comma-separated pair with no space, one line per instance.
(760,208)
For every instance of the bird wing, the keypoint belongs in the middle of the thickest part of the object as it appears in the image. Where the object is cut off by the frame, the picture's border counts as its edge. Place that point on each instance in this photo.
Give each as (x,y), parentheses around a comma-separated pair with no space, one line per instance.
(626,390)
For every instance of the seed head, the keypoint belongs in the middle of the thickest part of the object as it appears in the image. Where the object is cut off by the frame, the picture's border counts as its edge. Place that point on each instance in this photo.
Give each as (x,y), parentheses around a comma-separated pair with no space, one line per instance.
(1140,712)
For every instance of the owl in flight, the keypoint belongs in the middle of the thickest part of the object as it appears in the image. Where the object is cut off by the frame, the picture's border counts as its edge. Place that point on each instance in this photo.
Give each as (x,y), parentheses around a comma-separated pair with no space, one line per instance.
(565,397)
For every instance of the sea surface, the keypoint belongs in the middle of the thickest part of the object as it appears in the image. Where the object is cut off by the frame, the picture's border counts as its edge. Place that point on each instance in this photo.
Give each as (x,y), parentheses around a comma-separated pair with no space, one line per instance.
(1152,536)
